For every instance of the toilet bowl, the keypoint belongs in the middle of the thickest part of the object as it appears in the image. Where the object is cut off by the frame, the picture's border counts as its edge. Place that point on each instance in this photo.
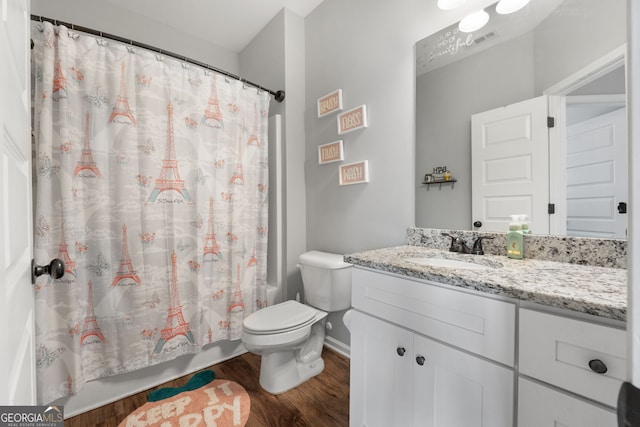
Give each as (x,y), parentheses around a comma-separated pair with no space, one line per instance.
(290,336)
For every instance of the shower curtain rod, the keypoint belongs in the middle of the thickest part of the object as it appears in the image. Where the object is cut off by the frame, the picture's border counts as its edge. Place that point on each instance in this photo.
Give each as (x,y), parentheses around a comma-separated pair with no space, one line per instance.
(278,95)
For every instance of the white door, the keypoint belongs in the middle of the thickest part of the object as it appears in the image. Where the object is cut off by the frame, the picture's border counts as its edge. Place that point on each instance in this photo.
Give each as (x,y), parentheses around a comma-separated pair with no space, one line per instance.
(452,388)
(510,166)
(17,355)
(597,176)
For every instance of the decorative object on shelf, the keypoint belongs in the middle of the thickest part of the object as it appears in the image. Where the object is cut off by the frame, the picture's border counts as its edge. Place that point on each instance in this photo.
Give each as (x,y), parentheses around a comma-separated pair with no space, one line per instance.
(330,152)
(354,173)
(330,103)
(440,175)
(351,120)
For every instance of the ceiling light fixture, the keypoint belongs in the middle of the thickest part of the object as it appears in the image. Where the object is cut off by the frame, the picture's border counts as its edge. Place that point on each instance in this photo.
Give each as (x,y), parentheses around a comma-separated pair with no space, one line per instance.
(505,7)
(450,4)
(474,22)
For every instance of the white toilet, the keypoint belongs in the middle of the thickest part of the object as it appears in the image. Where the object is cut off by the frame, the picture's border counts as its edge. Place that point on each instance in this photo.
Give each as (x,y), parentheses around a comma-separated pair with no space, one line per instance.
(290,335)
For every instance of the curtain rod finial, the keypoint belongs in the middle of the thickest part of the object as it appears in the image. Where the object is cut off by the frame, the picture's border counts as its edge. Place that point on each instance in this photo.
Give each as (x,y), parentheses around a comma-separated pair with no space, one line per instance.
(279,96)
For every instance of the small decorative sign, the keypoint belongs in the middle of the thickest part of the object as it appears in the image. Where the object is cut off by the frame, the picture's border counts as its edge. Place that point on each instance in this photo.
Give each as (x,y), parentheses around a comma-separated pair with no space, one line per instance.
(352,120)
(354,173)
(331,152)
(330,103)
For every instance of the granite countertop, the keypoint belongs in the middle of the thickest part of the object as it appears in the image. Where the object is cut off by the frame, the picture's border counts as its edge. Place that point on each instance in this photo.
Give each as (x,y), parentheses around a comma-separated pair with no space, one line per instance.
(599,291)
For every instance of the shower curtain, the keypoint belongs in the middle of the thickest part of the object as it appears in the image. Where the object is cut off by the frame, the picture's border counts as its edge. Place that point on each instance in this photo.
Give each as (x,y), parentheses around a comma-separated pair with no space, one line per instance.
(151,185)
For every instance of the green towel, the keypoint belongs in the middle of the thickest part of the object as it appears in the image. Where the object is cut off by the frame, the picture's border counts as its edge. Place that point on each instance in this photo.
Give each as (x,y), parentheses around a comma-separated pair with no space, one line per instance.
(198,380)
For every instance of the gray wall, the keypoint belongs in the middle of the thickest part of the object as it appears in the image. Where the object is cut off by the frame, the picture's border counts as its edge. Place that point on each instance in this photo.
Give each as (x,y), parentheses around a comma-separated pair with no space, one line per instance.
(576,34)
(365,48)
(275,58)
(105,17)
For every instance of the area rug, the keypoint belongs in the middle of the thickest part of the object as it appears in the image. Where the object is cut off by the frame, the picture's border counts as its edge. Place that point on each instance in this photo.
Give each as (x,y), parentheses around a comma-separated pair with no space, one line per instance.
(202,401)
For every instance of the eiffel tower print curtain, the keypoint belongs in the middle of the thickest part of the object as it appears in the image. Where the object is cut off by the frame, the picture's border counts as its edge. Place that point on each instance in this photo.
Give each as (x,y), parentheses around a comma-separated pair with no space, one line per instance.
(151,185)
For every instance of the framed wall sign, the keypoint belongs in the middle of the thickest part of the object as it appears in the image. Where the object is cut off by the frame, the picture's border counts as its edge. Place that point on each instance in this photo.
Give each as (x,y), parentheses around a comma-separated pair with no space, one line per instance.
(330,152)
(354,173)
(330,103)
(353,119)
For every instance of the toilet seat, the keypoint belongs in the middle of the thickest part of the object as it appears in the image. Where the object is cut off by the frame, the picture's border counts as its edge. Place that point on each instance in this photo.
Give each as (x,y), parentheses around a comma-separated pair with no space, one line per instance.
(280,318)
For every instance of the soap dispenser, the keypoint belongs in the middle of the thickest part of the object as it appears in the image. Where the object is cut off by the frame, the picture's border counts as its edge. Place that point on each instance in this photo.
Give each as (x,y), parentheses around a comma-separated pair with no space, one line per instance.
(515,238)
(524,223)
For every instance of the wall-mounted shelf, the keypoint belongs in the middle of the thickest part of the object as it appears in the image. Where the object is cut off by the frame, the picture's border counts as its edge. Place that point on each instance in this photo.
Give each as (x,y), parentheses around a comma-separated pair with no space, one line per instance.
(439,183)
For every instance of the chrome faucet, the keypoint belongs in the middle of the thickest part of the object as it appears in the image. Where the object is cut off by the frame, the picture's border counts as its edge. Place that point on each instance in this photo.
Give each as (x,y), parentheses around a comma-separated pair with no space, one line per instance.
(457,244)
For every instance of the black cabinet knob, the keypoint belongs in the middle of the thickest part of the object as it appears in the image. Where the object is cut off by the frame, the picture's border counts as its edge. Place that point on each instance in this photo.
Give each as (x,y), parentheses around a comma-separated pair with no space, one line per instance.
(597,366)
(477,224)
(420,360)
(401,351)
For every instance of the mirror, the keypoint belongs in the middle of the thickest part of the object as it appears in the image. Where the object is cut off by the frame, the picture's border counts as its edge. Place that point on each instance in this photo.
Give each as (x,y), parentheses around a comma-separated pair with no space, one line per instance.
(513,58)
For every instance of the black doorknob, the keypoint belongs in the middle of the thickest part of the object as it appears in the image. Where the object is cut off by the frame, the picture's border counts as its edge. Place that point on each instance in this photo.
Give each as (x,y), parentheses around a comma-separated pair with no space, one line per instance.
(477,224)
(55,269)
(400,351)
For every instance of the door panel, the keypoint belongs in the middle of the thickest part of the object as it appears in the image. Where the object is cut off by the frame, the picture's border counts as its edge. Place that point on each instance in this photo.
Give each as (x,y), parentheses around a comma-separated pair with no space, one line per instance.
(597,176)
(381,381)
(455,389)
(540,406)
(510,172)
(17,356)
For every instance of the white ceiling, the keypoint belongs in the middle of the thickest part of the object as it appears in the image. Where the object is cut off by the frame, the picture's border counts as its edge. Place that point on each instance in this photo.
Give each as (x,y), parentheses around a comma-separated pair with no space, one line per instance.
(230,24)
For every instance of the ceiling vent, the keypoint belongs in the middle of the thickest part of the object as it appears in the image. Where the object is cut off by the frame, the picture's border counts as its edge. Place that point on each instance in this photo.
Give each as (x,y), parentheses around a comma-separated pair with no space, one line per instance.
(485,37)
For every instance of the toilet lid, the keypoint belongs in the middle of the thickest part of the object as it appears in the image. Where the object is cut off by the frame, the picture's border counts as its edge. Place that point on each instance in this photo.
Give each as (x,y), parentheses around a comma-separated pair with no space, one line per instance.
(280,317)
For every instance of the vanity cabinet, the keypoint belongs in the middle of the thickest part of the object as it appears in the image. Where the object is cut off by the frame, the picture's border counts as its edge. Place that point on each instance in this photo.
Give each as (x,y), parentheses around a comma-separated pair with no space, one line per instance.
(558,354)
(425,355)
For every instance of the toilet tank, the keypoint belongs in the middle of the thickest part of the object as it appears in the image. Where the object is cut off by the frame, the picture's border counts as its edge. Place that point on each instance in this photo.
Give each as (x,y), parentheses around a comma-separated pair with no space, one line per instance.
(326,279)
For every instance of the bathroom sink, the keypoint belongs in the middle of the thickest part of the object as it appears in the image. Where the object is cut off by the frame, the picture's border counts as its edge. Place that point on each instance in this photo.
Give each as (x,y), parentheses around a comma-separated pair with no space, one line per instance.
(448,263)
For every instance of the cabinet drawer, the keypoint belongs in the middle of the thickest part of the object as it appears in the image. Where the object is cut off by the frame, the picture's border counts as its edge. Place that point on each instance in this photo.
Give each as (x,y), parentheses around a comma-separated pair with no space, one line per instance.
(540,406)
(480,325)
(558,350)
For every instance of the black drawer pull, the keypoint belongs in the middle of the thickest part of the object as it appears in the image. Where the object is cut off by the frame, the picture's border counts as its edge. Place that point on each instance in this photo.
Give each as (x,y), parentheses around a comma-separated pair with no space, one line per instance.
(420,360)
(597,366)
(400,351)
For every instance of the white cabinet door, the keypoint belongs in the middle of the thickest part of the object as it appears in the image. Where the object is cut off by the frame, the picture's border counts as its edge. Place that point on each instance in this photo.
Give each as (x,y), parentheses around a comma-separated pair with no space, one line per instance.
(540,406)
(380,373)
(510,165)
(452,388)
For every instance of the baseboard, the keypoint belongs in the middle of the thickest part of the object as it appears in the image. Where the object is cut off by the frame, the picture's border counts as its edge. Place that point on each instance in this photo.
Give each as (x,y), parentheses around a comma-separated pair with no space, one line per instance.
(108,390)
(338,346)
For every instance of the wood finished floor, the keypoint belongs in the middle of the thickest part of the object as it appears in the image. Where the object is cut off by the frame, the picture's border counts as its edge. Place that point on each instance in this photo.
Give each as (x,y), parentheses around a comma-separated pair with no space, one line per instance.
(321,401)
